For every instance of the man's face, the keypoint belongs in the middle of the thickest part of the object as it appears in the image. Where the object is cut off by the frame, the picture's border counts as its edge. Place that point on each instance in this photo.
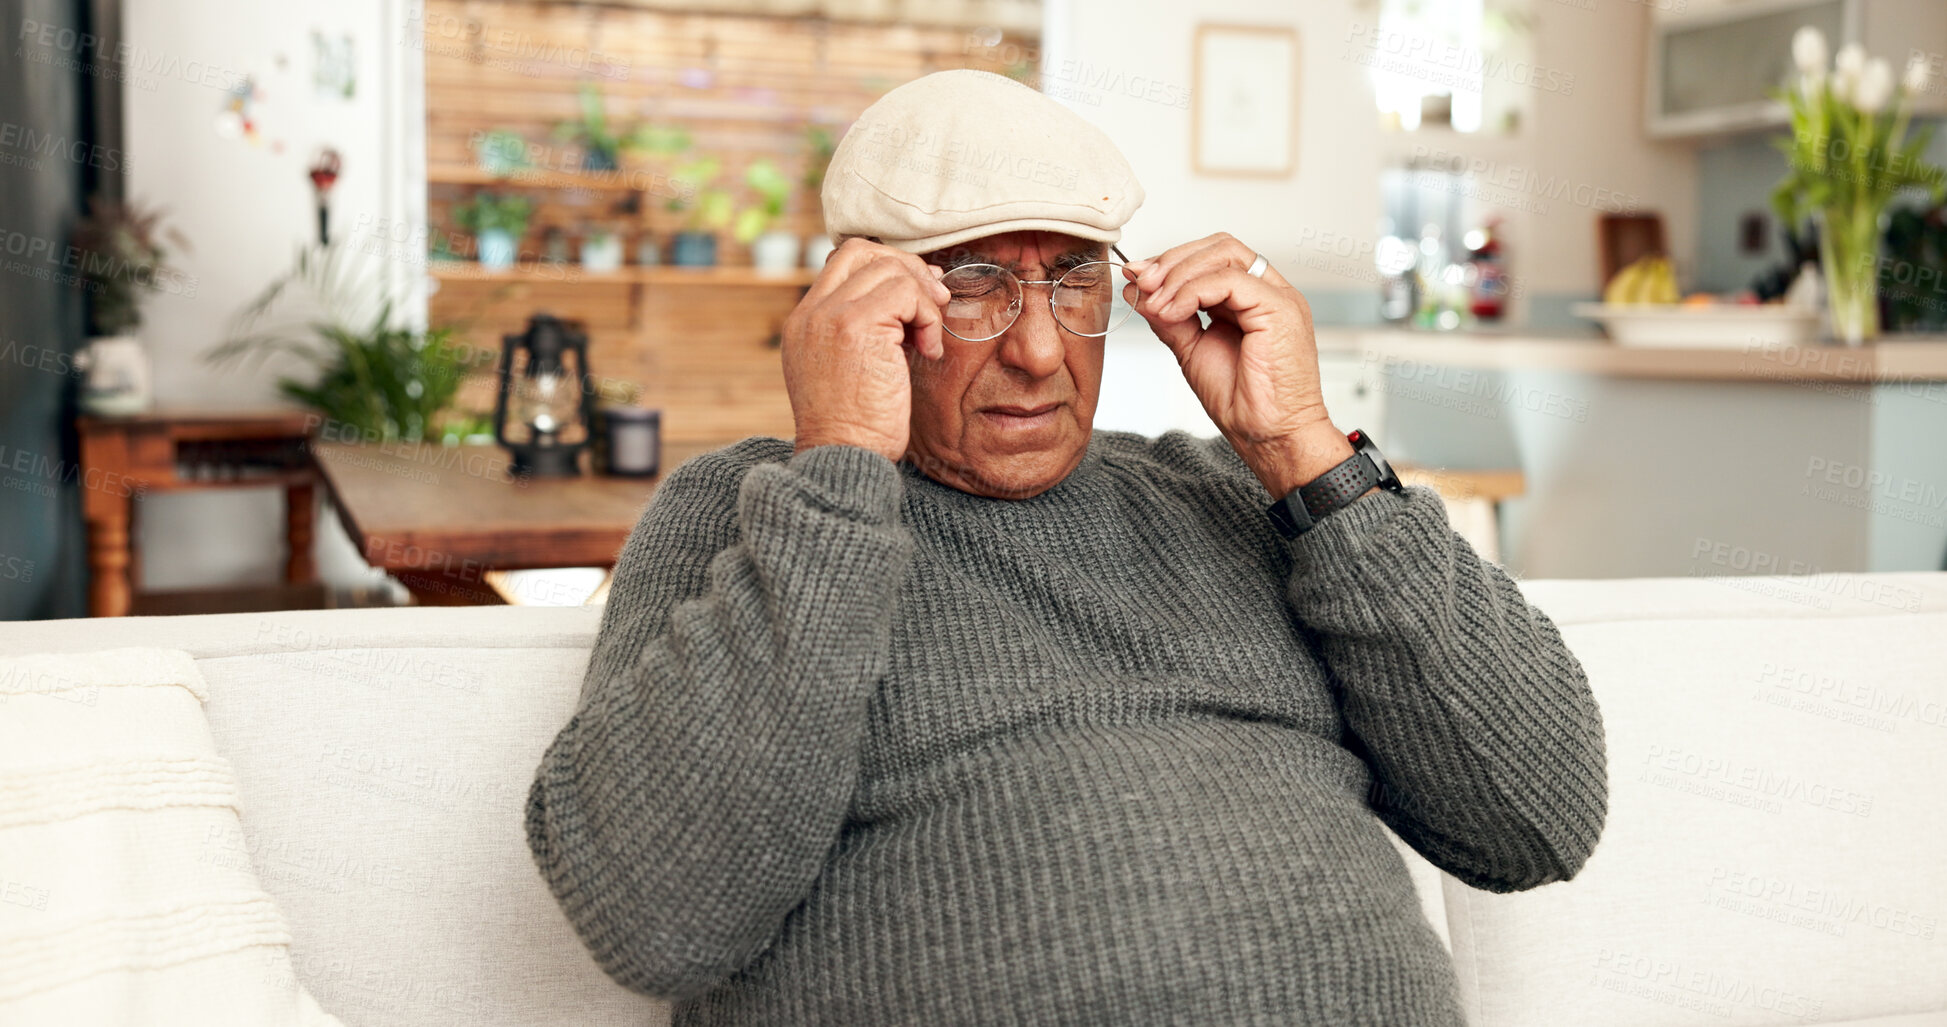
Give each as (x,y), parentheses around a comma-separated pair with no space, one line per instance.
(1009,417)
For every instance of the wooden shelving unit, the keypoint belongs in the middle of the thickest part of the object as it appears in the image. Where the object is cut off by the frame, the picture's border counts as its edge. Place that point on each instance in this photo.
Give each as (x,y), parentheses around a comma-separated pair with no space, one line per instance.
(572,274)
(623,181)
(745,86)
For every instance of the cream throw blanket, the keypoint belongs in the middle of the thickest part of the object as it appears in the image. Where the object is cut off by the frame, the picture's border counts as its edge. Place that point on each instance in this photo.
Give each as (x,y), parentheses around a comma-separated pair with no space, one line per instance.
(127,894)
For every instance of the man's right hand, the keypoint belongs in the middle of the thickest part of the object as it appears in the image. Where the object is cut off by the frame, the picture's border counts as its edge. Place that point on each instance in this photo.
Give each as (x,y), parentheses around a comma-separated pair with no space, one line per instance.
(845,347)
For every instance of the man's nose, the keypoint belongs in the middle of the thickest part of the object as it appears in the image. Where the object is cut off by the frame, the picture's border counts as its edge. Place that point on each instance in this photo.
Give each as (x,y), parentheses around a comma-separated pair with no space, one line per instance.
(1033,344)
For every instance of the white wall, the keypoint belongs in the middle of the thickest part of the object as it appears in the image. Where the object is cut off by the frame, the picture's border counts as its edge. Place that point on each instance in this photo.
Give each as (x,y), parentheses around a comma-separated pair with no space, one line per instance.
(245,208)
(1594,136)
(1334,187)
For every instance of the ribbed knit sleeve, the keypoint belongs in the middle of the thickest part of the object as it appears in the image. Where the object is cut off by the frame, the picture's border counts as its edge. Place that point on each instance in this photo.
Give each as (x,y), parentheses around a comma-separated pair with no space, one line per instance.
(1484,740)
(692,799)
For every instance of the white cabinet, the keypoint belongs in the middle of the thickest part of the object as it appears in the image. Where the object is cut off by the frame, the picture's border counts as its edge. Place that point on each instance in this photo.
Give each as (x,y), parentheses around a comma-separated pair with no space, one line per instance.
(1353,387)
(1713,65)
(1143,390)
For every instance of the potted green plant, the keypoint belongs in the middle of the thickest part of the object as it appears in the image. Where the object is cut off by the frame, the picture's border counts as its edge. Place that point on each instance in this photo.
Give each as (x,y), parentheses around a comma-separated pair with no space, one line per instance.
(119,258)
(375,376)
(602,147)
(601,250)
(497,222)
(1915,239)
(500,152)
(705,207)
(820,142)
(1847,156)
(772,249)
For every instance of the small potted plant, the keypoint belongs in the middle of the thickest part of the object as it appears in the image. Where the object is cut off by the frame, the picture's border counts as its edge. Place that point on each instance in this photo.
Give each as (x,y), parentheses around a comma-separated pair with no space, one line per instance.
(705,209)
(772,249)
(119,259)
(602,147)
(601,250)
(500,152)
(822,142)
(497,222)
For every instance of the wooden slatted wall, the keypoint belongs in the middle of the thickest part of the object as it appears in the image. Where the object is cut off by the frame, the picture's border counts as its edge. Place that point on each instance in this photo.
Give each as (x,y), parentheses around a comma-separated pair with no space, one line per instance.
(744,86)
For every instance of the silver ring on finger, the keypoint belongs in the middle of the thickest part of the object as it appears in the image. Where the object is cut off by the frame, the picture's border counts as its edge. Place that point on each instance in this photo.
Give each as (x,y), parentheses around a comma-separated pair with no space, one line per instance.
(1256,270)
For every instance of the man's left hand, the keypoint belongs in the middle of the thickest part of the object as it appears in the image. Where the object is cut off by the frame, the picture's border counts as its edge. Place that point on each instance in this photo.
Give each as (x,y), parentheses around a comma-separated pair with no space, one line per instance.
(1255,368)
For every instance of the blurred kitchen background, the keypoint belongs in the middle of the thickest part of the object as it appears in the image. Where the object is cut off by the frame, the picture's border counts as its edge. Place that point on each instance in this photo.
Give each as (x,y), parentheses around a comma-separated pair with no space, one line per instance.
(1539,239)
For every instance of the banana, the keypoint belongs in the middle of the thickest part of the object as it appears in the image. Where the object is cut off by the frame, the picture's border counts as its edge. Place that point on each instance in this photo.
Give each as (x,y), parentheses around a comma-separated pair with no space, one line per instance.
(1621,289)
(1648,280)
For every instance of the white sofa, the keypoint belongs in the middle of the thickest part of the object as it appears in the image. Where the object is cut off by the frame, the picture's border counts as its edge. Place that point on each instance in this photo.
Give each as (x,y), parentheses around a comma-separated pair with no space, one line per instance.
(1776,850)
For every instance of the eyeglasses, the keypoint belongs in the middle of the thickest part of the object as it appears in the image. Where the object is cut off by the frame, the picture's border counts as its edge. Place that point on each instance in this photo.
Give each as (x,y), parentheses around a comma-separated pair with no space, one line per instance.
(985,299)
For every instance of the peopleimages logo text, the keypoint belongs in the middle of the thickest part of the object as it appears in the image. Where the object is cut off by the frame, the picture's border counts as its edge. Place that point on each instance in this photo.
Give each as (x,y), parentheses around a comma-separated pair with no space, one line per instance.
(1416,55)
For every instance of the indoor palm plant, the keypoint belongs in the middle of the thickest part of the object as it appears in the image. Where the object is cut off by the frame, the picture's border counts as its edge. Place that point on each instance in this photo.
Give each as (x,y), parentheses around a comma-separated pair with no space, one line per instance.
(1848,154)
(375,377)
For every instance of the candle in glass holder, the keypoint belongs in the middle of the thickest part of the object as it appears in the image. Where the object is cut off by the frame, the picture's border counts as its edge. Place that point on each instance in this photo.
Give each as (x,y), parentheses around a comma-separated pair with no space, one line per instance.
(628,441)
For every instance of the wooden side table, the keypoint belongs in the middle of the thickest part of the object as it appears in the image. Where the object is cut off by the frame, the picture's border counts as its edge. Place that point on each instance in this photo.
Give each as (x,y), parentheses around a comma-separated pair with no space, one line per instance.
(442,518)
(125,458)
(1473,501)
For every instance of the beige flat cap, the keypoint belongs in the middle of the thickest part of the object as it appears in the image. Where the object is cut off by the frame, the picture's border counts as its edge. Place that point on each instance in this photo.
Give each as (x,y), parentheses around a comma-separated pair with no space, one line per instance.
(957,155)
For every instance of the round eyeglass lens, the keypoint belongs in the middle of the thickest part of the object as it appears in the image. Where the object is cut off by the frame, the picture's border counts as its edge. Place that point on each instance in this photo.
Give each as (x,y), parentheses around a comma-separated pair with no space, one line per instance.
(982,301)
(1088,299)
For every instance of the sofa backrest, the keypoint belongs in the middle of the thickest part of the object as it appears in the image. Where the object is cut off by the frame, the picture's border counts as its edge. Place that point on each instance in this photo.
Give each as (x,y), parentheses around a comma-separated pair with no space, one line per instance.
(384,757)
(1776,847)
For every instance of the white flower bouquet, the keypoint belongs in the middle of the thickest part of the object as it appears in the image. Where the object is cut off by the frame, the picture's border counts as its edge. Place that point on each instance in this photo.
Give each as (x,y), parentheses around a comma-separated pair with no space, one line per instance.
(1848,155)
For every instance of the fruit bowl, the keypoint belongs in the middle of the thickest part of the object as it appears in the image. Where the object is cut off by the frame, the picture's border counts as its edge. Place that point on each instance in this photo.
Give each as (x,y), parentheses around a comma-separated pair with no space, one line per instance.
(1724,326)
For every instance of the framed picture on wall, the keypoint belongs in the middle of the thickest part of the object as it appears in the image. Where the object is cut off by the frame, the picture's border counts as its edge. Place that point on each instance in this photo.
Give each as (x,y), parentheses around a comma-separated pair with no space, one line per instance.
(1244,113)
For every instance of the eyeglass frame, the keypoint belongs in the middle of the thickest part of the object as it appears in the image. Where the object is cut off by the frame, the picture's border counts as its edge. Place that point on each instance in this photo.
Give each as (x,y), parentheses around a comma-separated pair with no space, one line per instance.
(1023,282)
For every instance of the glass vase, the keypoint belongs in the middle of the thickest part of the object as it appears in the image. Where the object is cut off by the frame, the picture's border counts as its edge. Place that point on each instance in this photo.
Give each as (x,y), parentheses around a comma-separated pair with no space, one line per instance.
(1849,256)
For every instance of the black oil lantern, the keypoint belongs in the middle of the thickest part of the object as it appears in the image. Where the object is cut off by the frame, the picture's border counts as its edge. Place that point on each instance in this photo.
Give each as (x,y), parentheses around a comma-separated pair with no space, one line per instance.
(547,399)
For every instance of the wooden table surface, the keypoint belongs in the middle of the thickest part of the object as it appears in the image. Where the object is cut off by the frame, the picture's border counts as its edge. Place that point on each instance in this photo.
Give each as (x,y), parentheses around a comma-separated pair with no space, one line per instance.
(440,518)
(456,509)
(1492,486)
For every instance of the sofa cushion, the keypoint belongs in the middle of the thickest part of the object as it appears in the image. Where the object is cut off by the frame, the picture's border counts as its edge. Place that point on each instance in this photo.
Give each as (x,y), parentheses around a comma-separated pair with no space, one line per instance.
(1778,813)
(125,902)
(383,759)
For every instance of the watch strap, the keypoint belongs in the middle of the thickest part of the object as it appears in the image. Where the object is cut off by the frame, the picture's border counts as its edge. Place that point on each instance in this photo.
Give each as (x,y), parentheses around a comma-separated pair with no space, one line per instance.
(1353,477)
(1346,481)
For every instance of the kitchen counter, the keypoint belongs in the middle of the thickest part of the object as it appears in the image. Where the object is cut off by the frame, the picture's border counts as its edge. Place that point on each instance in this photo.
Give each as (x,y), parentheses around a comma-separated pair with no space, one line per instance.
(1652,462)
(1899,359)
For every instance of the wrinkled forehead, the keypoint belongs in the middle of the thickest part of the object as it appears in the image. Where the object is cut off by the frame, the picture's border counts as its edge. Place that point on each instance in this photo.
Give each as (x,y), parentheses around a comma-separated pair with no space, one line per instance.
(1024,253)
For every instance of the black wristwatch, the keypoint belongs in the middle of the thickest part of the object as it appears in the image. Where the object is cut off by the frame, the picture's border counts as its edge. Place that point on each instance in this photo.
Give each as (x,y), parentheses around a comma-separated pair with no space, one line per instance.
(1302,507)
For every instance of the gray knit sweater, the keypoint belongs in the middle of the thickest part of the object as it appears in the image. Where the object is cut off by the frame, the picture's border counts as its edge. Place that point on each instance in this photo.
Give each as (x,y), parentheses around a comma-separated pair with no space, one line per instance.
(856,747)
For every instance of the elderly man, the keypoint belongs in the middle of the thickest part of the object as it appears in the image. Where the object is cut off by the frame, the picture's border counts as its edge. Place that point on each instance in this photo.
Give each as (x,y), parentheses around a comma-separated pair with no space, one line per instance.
(954,710)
